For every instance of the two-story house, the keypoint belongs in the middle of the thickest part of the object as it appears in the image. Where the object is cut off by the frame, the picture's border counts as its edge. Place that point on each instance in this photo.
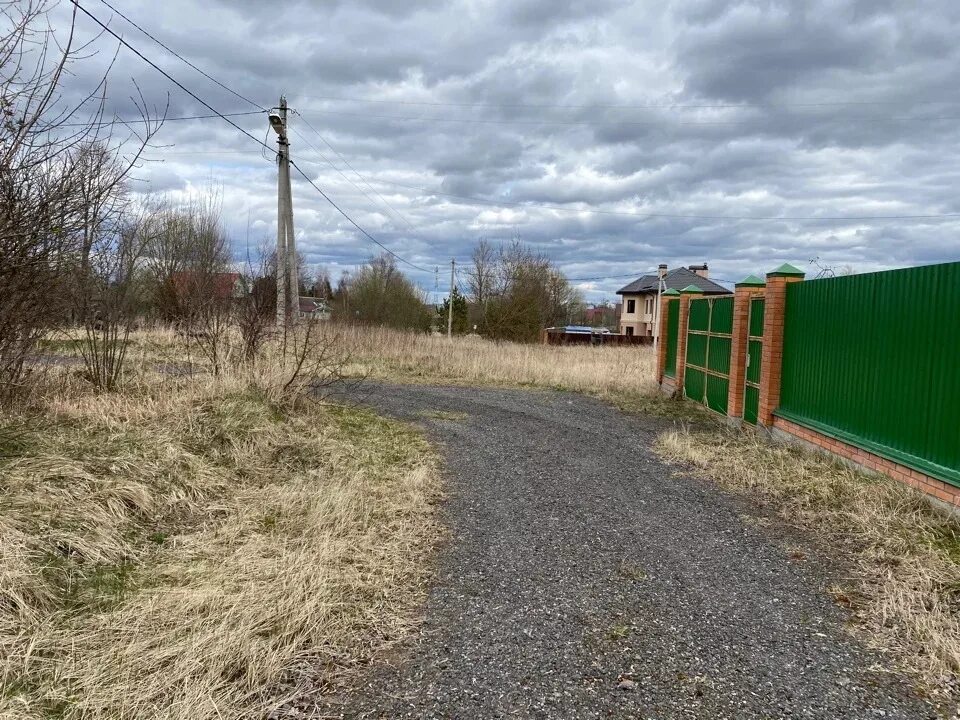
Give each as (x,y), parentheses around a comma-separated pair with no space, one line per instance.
(639,314)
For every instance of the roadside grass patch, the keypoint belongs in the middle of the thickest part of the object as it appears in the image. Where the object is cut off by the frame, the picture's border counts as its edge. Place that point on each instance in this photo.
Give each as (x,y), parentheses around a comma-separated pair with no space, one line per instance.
(904,551)
(186,548)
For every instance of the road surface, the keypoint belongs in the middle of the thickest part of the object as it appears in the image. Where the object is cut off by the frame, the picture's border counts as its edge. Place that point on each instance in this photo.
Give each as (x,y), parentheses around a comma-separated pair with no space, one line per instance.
(584,578)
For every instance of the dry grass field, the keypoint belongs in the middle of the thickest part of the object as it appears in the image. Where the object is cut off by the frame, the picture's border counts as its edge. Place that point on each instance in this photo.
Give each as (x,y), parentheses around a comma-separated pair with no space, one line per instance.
(197,548)
(387,354)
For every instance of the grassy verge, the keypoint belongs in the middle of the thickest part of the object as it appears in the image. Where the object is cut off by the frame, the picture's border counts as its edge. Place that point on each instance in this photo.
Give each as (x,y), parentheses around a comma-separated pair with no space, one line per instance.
(904,553)
(189,548)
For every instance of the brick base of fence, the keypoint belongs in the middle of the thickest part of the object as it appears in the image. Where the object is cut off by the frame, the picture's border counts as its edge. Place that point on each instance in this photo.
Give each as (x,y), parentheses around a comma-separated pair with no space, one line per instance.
(869,461)
(668,387)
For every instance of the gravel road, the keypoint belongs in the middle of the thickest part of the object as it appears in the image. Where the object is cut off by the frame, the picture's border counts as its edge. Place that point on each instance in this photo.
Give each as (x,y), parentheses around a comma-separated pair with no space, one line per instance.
(585,579)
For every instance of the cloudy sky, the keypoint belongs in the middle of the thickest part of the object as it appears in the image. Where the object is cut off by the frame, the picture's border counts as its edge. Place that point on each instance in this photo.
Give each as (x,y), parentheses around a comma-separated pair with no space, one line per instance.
(610,135)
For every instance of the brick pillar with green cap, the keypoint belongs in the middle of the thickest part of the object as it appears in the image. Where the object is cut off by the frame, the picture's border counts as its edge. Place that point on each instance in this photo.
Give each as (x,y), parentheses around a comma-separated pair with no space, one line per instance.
(686,295)
(775,308)
(663,342)
(744,291)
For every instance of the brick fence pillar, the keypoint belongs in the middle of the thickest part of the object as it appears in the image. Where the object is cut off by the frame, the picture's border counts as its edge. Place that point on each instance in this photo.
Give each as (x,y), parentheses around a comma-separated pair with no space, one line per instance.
(744,292)
(663,338)
(772,356)
(686,295)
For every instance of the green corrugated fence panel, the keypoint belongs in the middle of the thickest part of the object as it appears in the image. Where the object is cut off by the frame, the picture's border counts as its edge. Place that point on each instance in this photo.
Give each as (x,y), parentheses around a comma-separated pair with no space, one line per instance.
(673,326)
(751,404)
(693,384)
(718,358)
(754,351)
(721,319)
(717,389)
(696,350)
(756,317)
(874,359)
(699,314)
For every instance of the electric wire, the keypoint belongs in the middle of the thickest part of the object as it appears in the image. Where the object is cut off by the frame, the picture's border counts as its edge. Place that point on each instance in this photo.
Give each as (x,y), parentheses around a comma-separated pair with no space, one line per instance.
(639,106)
(212,109)
(341,174)
(355,171)
(606,121)
(352,222)
(647,215)
(184,60)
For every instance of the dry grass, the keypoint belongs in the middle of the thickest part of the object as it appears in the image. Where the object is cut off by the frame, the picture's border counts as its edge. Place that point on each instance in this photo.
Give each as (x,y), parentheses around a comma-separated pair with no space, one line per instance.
(387,354)
(905,553)
(191,548)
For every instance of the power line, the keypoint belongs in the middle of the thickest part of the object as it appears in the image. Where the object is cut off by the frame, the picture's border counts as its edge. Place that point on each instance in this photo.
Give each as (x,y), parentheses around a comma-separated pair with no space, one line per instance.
(611,277)
(601,121)
(124,121)
(169,77)
(352,222)
(355,171)
(647,215)
(183,59)
(628,213)
(640,106)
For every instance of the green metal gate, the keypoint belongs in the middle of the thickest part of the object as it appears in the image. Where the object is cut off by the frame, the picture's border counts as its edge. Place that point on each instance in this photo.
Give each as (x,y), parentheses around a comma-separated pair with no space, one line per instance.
(751,390)
(673,325)
(707,371)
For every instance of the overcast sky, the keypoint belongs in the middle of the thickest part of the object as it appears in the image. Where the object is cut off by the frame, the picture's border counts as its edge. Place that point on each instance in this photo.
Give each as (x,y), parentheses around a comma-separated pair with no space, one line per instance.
(653,130)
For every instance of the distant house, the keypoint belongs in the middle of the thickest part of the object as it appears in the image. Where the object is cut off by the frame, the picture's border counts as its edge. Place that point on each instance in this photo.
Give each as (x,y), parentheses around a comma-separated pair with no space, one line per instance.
(221,285)
(314,309)
(602,315)
(639,314)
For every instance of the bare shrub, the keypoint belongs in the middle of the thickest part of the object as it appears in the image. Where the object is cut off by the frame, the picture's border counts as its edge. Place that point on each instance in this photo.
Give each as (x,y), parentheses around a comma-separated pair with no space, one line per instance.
(60,168)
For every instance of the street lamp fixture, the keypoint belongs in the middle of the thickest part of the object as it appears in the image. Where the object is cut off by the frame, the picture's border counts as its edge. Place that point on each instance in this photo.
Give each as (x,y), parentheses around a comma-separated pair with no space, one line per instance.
(276,122)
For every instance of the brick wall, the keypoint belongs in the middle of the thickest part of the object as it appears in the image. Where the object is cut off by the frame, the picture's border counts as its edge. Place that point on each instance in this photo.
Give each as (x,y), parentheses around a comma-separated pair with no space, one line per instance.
(871,461)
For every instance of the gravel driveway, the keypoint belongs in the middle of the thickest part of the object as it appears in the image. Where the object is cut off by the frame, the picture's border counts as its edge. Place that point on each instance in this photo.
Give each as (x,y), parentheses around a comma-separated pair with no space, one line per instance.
(584,579)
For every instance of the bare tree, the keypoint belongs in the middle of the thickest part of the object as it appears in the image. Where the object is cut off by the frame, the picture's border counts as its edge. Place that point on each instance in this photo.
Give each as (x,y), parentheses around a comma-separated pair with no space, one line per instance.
(61,167)
(256,310)
(481,273)
(206,290)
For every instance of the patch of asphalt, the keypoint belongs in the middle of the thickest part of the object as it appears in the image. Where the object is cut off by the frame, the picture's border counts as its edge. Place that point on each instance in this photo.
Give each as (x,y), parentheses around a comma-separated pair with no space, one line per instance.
(584,578)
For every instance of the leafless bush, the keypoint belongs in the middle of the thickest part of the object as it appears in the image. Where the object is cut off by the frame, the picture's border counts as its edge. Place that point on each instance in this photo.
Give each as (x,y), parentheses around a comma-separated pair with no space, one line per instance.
(61,166)
(256,311)
(109,289)
(312,364)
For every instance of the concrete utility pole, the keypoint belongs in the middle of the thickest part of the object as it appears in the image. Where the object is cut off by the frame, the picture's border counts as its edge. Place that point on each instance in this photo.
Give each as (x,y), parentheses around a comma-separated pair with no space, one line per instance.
(288,291)
(453,266)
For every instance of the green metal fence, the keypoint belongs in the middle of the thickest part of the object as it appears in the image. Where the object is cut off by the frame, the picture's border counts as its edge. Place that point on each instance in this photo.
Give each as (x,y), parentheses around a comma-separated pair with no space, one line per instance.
(751,386)
(673,325)
(874,360)
(706,377)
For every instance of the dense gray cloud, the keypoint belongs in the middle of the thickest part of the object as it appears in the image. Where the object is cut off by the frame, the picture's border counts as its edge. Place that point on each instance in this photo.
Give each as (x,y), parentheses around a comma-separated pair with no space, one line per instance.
(654,130)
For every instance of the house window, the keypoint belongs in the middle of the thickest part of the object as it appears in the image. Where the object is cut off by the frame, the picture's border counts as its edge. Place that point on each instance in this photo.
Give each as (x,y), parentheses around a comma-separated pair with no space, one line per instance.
(630,327)
(631,306)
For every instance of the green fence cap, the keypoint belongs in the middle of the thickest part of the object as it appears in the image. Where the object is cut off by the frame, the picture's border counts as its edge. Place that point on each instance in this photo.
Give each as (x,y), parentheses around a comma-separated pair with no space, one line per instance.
(690,289)
(786,270)
(750,281)
(671,291)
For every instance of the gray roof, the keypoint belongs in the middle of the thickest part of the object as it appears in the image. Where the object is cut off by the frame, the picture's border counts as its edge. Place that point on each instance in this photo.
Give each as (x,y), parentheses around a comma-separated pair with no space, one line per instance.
(676,279)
